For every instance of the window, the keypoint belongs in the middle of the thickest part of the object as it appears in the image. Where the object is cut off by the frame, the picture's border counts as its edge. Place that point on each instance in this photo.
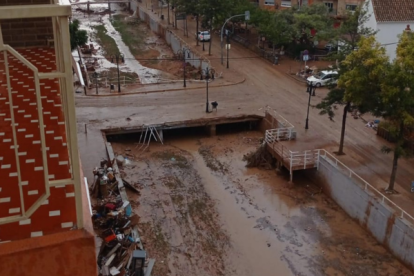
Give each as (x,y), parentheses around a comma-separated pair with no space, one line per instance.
(351,7)
(286,3)
(270,2)
(329,5)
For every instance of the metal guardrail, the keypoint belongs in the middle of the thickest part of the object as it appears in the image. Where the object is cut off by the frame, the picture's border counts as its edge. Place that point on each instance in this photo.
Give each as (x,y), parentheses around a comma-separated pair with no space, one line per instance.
(296,158)
(365,185)
(282,134)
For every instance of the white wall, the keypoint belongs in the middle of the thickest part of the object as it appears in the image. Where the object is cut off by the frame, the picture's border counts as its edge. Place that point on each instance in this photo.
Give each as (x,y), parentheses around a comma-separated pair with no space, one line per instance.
(368,209)
(388,33)
(372,22)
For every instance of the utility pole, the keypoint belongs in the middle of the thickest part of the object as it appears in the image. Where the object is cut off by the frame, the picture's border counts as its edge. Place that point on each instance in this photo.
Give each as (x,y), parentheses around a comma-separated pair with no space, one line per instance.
(118,57)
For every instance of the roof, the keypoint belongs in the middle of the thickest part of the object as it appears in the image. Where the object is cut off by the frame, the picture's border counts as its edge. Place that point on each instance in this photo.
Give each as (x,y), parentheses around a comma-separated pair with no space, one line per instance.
(393,10)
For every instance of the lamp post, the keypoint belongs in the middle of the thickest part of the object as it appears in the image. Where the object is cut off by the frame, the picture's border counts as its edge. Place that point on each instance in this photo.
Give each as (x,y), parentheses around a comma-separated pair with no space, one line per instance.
(117,58)
(208,74)
(96,76)
(181,55)
(246,15)
(228,48)
(311,90)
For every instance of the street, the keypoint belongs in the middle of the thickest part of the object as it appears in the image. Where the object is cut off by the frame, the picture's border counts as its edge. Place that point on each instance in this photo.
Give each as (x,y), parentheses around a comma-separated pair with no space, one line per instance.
(265,85)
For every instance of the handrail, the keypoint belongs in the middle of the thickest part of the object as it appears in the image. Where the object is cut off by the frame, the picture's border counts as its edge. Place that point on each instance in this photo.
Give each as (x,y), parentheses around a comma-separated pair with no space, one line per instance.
(352,174)
(25,214)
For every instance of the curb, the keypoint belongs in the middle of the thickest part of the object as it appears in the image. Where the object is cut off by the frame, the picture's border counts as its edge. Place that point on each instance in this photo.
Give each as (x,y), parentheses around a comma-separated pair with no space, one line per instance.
(165,90)
(299,81)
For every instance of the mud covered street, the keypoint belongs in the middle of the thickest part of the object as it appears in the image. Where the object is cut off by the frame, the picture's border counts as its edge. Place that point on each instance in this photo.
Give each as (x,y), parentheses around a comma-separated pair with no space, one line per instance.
(203,213)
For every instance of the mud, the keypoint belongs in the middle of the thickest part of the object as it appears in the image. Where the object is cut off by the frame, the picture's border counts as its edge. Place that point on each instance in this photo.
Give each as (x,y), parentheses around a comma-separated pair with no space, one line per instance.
(145,64)
(202,212)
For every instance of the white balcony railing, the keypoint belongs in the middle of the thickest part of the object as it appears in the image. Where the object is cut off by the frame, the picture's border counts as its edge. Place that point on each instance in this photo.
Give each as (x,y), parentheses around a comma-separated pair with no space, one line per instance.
(59,13)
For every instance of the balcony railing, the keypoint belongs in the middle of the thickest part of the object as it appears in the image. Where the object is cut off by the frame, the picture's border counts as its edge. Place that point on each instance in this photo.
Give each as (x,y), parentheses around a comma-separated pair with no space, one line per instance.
(59,13)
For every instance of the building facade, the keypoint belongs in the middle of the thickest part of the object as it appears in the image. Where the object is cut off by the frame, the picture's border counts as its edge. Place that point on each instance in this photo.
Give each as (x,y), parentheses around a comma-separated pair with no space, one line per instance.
(45,222)
(390,19)
(336,7)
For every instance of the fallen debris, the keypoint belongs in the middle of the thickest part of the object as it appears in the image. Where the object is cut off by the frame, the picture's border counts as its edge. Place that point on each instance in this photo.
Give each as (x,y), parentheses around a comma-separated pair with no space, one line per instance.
(260,158)
(121,252)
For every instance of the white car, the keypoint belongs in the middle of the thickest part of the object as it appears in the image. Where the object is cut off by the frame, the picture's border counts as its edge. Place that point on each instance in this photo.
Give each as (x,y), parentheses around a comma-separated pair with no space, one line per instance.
(203,36)
(323,78)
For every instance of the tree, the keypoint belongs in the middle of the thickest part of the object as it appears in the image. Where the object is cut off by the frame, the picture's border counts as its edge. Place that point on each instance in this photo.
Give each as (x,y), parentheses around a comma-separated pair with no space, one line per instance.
(313,17)
(277,28)
(361,79)
(397,97)
(214,14)
(190,7)
(77,37)
(347,36)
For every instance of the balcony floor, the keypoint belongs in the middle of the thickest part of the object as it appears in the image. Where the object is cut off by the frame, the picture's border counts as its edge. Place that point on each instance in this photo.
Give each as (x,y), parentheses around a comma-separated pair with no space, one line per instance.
(57,212)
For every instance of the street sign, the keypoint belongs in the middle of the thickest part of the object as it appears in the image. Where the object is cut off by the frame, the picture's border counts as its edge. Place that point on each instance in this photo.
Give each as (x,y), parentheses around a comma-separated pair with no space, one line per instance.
(247,15)
(305,55)
(181,16)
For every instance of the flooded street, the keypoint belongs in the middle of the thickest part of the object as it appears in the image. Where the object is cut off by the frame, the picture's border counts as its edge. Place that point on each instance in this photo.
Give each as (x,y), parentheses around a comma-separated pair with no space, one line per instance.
(202,212)
(152,47)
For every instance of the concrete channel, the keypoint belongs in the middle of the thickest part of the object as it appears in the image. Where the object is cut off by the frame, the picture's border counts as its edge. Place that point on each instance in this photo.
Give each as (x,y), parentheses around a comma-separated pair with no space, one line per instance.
(382,222)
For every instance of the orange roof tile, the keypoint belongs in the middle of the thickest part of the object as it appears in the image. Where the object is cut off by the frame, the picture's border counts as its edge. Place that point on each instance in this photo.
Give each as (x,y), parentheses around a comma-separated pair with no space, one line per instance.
(393,10)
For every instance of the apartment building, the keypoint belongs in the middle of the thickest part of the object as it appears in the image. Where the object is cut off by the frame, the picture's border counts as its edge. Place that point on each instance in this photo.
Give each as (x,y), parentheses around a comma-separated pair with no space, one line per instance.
(336,7)
(45,220)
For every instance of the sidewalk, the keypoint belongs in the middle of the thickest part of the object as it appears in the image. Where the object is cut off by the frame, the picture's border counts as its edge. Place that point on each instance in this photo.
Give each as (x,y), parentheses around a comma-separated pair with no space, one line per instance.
(173,85)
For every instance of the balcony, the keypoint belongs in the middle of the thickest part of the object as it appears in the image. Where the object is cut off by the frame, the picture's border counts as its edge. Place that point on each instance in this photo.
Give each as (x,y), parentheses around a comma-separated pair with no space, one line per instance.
(39,164)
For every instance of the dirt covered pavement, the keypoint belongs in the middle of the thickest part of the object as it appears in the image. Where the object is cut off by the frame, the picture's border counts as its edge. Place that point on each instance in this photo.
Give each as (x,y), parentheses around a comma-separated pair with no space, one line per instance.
(203,213)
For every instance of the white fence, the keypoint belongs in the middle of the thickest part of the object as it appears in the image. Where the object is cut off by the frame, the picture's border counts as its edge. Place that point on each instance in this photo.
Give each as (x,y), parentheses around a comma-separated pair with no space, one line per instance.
(365,185)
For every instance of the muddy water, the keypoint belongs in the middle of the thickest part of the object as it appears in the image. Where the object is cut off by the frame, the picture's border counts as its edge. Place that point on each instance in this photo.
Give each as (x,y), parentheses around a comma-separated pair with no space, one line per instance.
(252,254)
(271,227)
(146,75)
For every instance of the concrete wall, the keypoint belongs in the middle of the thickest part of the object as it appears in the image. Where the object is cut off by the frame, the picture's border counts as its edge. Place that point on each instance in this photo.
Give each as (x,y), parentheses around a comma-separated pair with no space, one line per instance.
(173,40)
(381,221)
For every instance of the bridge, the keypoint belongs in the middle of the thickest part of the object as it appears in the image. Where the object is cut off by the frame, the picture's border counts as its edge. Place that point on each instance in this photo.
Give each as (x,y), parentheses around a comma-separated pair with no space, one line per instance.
(109,2)
(100,2)
(291,160)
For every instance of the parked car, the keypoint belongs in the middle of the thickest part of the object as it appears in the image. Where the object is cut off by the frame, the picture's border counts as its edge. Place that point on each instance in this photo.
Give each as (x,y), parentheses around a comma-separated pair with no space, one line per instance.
(330,47)
(203,36)
(323,78)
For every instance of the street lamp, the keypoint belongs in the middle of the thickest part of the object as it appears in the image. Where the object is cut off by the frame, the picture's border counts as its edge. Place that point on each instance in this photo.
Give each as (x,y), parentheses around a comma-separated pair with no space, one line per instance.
(311,90)
(208,74)
(118,57)
(228,47)
(246,15)
(96,76)
(181,55)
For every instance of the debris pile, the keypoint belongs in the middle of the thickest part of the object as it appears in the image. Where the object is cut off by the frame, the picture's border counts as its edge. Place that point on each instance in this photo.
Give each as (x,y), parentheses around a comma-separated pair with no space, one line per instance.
(115,224)
(105,183)
(260,158)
